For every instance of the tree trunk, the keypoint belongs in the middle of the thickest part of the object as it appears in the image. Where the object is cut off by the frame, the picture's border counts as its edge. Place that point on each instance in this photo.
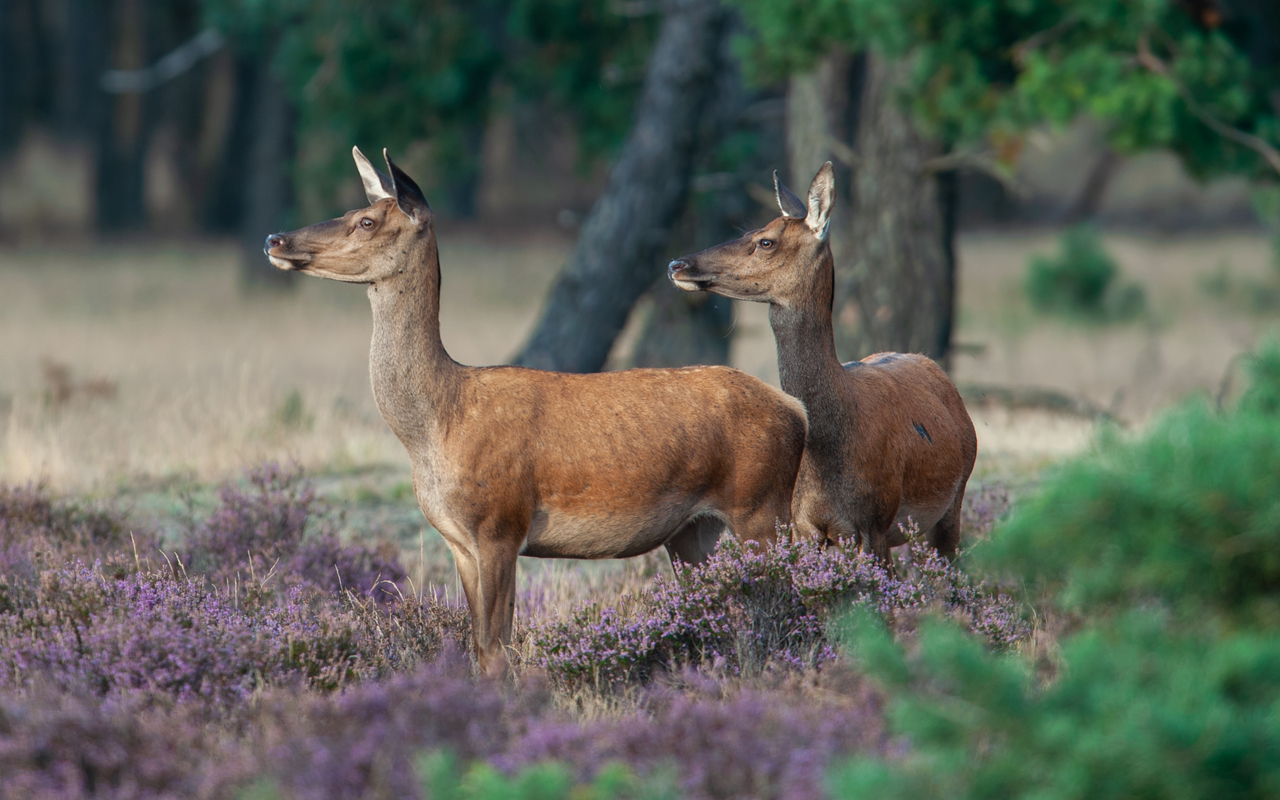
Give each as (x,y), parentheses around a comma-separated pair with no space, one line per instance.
(252,185)
(124,130)
(268,185)
(896,288)
(618,255)
(683,328)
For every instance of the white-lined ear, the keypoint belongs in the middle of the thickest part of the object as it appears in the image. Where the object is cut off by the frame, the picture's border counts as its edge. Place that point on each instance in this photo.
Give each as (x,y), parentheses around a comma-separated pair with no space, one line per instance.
(409,197)
(791,205)
(376,185)
(822,193)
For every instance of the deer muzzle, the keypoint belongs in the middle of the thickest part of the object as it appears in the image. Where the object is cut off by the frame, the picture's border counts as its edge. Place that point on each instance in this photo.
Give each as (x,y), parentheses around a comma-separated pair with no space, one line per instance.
(278,253)
(685,275)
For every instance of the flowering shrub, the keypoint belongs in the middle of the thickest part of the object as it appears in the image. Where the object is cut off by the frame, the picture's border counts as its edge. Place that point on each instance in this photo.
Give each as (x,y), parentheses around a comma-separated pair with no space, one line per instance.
(56,744)
(261,531)
(760,743)
(253,667)
(86,631)
(747,609)
(984,508)
(37,533)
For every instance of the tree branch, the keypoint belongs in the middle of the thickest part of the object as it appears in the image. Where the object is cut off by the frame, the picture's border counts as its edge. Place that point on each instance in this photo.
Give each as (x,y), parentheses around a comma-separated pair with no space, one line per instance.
(976,162)
(1034,42)
(1152,62)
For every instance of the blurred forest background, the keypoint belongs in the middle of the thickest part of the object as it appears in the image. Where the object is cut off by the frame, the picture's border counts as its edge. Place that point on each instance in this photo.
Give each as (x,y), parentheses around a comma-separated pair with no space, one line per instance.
(570,148)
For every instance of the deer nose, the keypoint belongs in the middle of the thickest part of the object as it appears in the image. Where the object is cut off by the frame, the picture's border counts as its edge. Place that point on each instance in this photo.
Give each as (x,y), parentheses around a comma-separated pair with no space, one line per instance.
(677,266)
(274,240)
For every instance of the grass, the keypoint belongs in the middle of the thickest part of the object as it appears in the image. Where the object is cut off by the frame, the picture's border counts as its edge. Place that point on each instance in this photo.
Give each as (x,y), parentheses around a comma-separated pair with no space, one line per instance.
(144,364)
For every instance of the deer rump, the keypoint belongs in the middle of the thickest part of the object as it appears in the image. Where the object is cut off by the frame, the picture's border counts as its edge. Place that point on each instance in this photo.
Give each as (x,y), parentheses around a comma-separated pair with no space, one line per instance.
(616,464)
(910,431)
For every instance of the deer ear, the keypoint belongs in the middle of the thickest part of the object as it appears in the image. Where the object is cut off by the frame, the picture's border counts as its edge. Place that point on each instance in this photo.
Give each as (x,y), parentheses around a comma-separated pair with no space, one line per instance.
(791,205)
(822,193)
(376,185)
(408,196)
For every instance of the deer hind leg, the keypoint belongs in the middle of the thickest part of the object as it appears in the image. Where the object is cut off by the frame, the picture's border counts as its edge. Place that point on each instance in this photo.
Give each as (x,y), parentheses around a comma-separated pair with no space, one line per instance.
(696,541)
(945,534)
(760,523)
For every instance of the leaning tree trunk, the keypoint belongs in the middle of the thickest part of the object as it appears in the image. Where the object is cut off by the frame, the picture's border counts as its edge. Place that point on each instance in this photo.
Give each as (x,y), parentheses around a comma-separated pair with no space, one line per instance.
(683,328)
(618,255)
(896,288)
(822,121)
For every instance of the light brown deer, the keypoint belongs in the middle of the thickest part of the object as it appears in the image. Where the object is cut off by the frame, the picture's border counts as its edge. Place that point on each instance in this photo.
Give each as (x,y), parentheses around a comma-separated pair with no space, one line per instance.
(510,461)
(889,437)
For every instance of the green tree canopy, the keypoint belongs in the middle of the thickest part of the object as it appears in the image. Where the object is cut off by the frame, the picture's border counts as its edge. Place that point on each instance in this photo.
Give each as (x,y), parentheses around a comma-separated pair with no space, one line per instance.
(1198,78)
(395,72)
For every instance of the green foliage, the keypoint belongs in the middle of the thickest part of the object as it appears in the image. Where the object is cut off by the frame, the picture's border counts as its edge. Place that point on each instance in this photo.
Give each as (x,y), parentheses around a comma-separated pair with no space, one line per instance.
(1263,395)
(1140,711)
(442,779)
(1188,515)
(292,412)
(1266,203)
(397,72)
(1081,280)
(581,57)
(1175,695)
(980,72)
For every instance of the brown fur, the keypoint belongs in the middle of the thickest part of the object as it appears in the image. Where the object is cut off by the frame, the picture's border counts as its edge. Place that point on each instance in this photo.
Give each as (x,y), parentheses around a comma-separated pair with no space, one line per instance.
(510,461)
(889,437)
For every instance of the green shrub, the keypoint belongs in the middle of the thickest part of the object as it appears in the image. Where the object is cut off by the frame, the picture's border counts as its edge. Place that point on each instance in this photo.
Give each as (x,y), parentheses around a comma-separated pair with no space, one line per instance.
(1082,280)
(442,780)
(1169,547)
(1187,515)
(1263,394)
(1141,711)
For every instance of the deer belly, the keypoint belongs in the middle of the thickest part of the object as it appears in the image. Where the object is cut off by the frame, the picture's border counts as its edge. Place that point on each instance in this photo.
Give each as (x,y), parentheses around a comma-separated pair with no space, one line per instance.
(557,534)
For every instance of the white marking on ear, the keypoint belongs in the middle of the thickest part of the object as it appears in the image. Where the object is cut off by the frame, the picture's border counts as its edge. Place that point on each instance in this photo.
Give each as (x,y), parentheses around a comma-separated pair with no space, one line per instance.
(791,205)
(376,185)
(822,193)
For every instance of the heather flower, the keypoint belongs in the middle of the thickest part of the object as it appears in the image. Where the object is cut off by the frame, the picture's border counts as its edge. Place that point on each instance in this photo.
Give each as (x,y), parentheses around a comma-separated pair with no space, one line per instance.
(260,532)
(758,608)
(154,633)
(755,743)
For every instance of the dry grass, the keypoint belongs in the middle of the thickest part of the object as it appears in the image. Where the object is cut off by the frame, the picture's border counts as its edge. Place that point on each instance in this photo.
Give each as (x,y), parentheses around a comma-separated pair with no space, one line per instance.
(130,363)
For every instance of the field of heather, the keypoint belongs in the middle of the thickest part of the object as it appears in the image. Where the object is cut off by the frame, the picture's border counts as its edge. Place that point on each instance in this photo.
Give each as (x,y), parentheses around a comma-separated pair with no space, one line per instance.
(214,580)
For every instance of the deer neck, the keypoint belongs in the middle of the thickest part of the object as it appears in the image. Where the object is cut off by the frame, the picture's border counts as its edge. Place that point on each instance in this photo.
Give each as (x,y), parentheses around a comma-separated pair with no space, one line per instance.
(808,367)
(414,379)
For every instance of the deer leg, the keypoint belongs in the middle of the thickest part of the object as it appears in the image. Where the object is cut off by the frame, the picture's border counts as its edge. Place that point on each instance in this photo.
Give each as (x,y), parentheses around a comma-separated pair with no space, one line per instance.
(945,534)
(696,541)
(760,524)
(469,575)
(496,599)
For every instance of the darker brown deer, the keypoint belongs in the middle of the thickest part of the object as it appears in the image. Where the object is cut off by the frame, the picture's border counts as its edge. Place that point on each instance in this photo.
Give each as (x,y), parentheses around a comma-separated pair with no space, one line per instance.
(510,461)
(889,437)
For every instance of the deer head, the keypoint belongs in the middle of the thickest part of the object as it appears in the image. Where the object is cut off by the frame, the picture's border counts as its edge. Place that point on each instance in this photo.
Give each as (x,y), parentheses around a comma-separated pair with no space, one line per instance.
(778,263)
(361,246)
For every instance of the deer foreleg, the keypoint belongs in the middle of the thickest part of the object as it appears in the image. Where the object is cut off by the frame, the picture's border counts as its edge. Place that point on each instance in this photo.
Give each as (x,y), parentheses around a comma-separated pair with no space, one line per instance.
(495,603)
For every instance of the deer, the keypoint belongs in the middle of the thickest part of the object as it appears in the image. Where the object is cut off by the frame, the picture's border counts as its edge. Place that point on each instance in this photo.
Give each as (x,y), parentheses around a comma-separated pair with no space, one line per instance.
(508,461)
(889,441)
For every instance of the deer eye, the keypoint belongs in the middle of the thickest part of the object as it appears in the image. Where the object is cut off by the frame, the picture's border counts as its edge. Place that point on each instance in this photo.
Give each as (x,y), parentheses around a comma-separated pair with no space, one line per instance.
(366,223)
(766,243)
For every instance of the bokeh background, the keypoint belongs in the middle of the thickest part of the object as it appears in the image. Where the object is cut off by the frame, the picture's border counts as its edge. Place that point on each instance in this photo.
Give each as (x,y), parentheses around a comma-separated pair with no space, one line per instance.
(1075,212)
(1073,205)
